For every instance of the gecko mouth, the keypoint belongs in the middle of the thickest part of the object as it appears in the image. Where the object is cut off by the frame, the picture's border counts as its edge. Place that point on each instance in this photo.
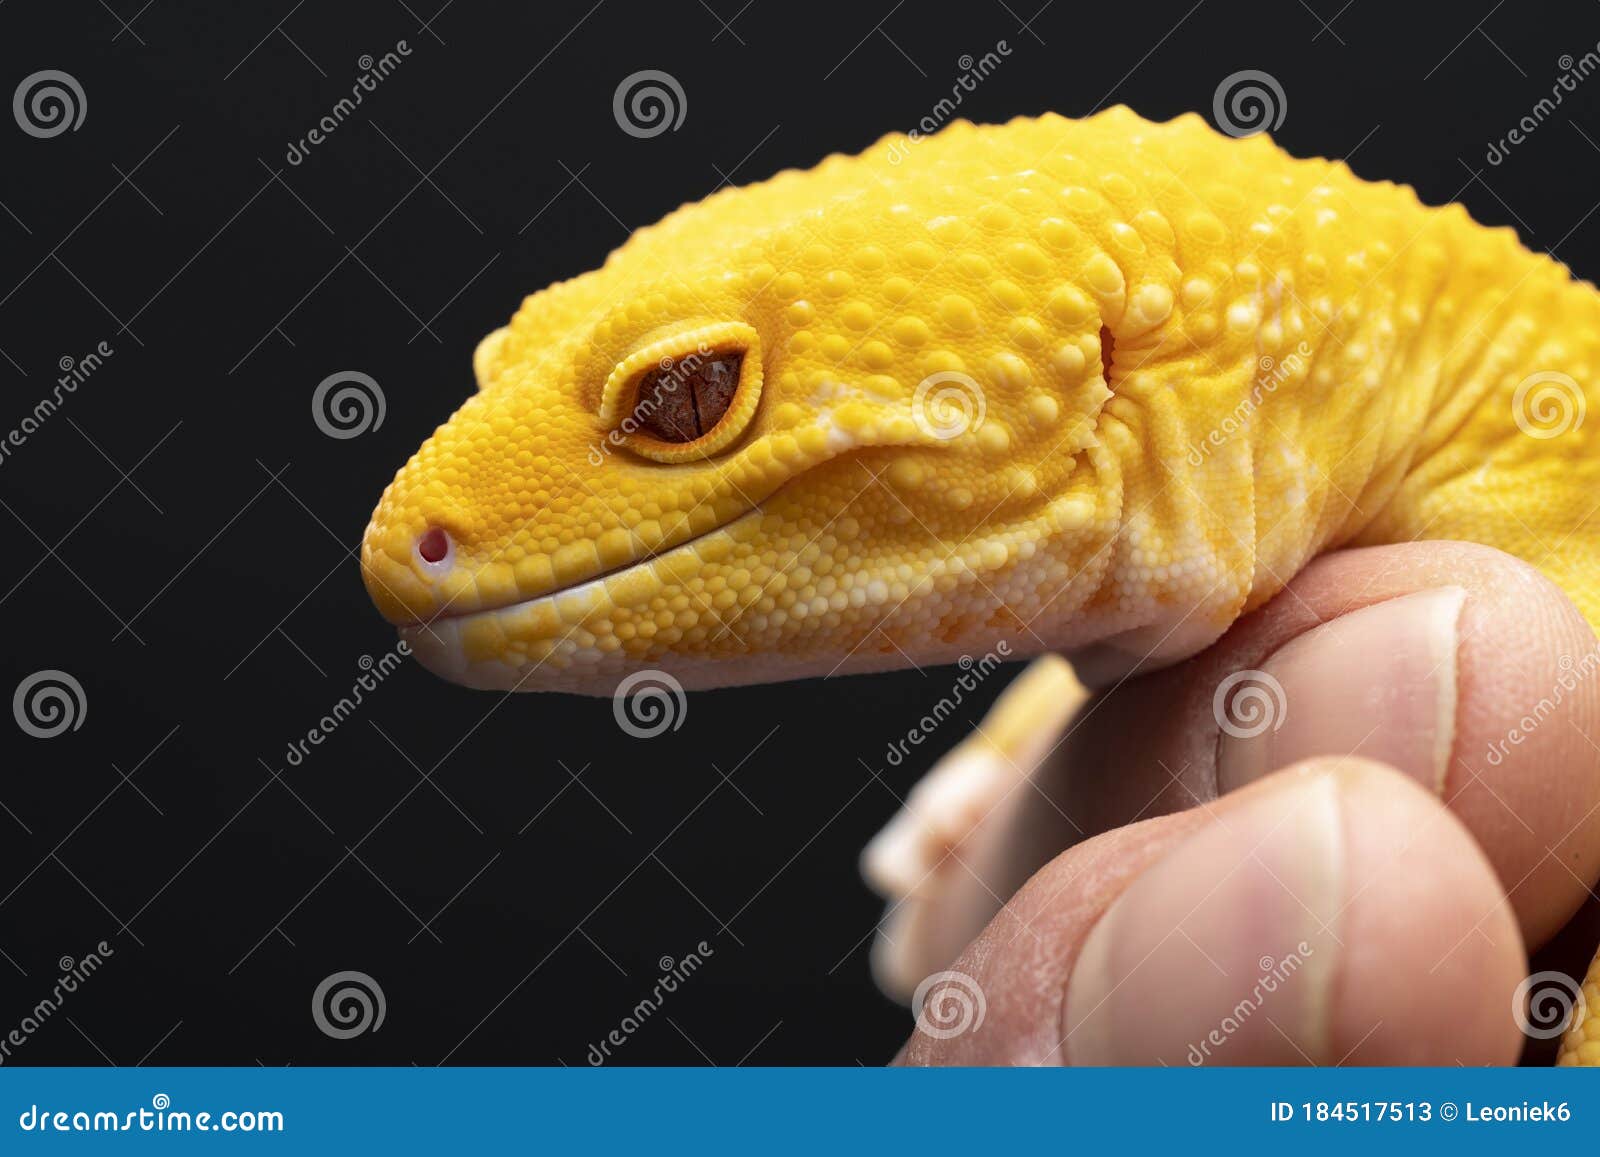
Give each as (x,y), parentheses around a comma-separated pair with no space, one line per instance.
(505,647)
(445,614)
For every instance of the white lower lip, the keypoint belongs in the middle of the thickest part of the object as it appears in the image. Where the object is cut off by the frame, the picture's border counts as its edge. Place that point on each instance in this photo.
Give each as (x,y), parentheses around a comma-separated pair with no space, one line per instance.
(437,642)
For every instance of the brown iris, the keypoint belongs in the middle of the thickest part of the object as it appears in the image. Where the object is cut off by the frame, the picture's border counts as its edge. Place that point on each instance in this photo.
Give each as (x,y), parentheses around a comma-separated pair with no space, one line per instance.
(682,401)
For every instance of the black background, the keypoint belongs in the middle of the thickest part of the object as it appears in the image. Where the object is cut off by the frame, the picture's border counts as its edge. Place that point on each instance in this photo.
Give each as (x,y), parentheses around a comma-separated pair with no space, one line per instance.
(180,536)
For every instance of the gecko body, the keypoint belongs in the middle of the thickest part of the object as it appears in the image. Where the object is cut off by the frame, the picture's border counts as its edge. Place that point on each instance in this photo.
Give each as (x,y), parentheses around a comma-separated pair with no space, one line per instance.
(1091,386)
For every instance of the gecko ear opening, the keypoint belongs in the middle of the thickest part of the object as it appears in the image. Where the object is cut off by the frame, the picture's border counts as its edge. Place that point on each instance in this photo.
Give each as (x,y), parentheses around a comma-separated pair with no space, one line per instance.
(685,396)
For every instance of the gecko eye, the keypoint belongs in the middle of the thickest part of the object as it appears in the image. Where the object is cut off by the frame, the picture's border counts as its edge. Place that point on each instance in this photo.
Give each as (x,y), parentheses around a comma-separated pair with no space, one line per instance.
(686,396)
(680,402)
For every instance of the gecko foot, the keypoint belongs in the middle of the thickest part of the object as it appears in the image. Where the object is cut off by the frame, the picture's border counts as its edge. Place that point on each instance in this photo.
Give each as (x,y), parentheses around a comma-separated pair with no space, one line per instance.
(940,861)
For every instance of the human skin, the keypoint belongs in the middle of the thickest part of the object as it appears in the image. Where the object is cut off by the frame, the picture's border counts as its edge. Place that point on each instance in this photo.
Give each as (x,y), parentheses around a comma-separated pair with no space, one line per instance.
(1433,886)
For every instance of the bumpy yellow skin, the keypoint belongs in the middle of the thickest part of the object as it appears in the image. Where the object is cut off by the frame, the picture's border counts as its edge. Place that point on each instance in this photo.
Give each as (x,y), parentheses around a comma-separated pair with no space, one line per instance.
(1300,360)
(1581,1043)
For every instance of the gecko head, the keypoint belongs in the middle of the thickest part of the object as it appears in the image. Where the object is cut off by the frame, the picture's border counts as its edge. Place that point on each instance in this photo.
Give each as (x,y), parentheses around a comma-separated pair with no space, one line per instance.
(784,432)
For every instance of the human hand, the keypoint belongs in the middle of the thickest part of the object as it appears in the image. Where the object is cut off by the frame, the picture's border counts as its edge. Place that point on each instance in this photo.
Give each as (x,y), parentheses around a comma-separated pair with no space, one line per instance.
(1356,880)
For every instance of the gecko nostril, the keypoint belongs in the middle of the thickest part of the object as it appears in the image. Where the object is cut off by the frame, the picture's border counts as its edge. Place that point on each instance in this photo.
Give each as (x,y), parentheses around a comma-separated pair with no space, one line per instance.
(433,546)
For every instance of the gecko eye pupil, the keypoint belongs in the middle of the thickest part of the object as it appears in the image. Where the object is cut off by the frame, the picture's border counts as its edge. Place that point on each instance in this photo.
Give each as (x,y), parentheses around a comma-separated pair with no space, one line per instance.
(683,400)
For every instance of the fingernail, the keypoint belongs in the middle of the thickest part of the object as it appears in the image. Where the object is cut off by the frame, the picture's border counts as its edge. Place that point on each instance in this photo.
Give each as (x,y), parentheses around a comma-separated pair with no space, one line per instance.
(1379,682)
(1224,951)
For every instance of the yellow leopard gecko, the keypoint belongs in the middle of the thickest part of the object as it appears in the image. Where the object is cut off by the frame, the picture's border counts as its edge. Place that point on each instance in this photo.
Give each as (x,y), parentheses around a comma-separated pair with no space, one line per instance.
(1093,386)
